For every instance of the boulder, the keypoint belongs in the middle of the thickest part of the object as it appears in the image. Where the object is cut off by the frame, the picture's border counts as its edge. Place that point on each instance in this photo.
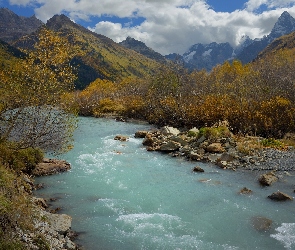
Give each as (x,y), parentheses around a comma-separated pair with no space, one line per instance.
(170,146)
(280,196)
(198,169)
(121,138)
(169,131)
(222,164)
(60,223)
(261,223)
(181,141)
(140,134)
(51,166)
(267,179)
(194,156)
(215,148)
(150,141)
(226,157)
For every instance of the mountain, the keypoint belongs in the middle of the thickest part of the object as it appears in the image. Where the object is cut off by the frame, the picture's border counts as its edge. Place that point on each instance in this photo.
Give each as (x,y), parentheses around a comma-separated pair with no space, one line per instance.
(284,25)
(207,56)
(245,41)
(103,58)
(283,42)
(10,51)
(141,48)
(13,26)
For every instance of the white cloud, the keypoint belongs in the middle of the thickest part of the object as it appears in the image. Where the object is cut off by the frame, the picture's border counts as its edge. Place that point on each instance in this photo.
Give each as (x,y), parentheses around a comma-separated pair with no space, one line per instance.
(253,5)
(20,2)
(169,25)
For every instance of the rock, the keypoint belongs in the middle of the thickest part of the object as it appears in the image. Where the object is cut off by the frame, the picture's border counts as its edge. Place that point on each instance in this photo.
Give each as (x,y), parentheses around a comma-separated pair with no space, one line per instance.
(226,157)
(27,179)
(51,166)
(121,138)
(170,131)
(215,148)
(170,146)
(150,141)
(195,156)
(267,179)
(40,202)
(198,169)
(201,139)
(261,223)
(179,140)
(38,186)
(140,134)
(120,119)
(245,190)
(69,244)
(280,196)
(60,223)
(222,164)
(212,158)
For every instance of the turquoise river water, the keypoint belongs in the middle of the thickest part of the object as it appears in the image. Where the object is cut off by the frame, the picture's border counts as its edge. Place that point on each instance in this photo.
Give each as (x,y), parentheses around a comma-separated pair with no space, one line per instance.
(122,197)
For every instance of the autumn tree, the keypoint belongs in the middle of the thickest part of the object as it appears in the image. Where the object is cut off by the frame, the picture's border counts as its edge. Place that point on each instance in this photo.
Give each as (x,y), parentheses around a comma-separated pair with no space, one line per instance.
(31,90)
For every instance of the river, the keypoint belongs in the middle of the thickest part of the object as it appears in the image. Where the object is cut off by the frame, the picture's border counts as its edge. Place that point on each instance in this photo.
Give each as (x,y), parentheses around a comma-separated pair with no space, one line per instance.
(121,196)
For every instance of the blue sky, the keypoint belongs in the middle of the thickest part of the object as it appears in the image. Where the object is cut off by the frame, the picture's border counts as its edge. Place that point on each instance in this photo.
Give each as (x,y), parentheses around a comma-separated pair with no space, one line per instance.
(167,26)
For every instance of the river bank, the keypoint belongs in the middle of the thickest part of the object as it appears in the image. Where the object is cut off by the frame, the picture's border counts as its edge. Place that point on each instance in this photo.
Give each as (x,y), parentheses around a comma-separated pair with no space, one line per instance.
(228,152)
(52,229)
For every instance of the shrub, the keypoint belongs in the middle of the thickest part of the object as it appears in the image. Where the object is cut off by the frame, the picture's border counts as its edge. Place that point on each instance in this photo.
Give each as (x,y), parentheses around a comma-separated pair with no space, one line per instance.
(20,160)
(214,132)
(272,143)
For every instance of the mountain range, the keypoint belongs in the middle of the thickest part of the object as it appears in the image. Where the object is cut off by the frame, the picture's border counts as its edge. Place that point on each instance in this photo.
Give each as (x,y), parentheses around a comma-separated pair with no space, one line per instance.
(207,56)
(105,59)
(102,57)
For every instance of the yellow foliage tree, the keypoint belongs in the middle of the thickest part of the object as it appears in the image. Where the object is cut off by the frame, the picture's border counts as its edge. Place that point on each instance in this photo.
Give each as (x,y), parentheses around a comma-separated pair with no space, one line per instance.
(31,91)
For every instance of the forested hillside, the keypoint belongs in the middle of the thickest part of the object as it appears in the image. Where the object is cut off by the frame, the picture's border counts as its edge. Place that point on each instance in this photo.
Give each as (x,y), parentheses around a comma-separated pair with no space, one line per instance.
(101,58)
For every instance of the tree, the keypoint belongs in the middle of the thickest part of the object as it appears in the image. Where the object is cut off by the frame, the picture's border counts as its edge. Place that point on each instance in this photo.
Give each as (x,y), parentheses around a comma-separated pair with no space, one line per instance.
(30,111)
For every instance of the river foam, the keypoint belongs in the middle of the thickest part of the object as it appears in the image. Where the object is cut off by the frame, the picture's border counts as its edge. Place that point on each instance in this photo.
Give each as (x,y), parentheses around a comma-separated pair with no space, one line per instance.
(123,197)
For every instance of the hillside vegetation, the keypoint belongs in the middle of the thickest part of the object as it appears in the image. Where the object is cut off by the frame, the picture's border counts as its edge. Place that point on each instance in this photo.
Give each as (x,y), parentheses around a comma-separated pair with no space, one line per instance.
(101,57)
(32,119)
(256,98)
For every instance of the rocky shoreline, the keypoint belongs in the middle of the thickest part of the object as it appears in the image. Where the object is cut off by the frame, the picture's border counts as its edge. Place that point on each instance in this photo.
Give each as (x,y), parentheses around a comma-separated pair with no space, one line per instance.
(53,230)
(225,151)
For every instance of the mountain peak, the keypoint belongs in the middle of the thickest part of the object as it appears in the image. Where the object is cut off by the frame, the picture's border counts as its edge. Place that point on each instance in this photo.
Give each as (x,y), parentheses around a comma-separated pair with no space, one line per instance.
(58,21)
(140,47)
(12,26)
(284,25)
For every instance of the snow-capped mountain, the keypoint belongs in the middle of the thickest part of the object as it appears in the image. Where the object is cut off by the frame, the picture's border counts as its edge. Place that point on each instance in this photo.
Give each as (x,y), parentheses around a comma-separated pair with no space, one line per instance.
(284,26)
(206,56)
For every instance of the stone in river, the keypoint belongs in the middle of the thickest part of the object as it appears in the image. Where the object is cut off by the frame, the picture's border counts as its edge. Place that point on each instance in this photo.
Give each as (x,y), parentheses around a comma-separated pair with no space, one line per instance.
(245,190)
(267,179)
(261,223)
(280,196)
(198,169)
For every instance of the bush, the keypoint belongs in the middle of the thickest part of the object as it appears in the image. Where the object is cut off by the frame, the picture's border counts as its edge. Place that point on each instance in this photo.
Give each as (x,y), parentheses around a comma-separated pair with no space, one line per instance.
(20,160)
(272,143)
(214,132)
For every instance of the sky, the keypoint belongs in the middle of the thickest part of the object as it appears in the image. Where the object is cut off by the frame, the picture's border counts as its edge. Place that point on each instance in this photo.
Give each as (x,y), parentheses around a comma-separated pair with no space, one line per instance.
(167,26)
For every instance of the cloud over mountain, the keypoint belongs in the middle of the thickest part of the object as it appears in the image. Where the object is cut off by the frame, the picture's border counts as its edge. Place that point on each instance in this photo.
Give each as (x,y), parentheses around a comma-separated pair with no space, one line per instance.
(168,25)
